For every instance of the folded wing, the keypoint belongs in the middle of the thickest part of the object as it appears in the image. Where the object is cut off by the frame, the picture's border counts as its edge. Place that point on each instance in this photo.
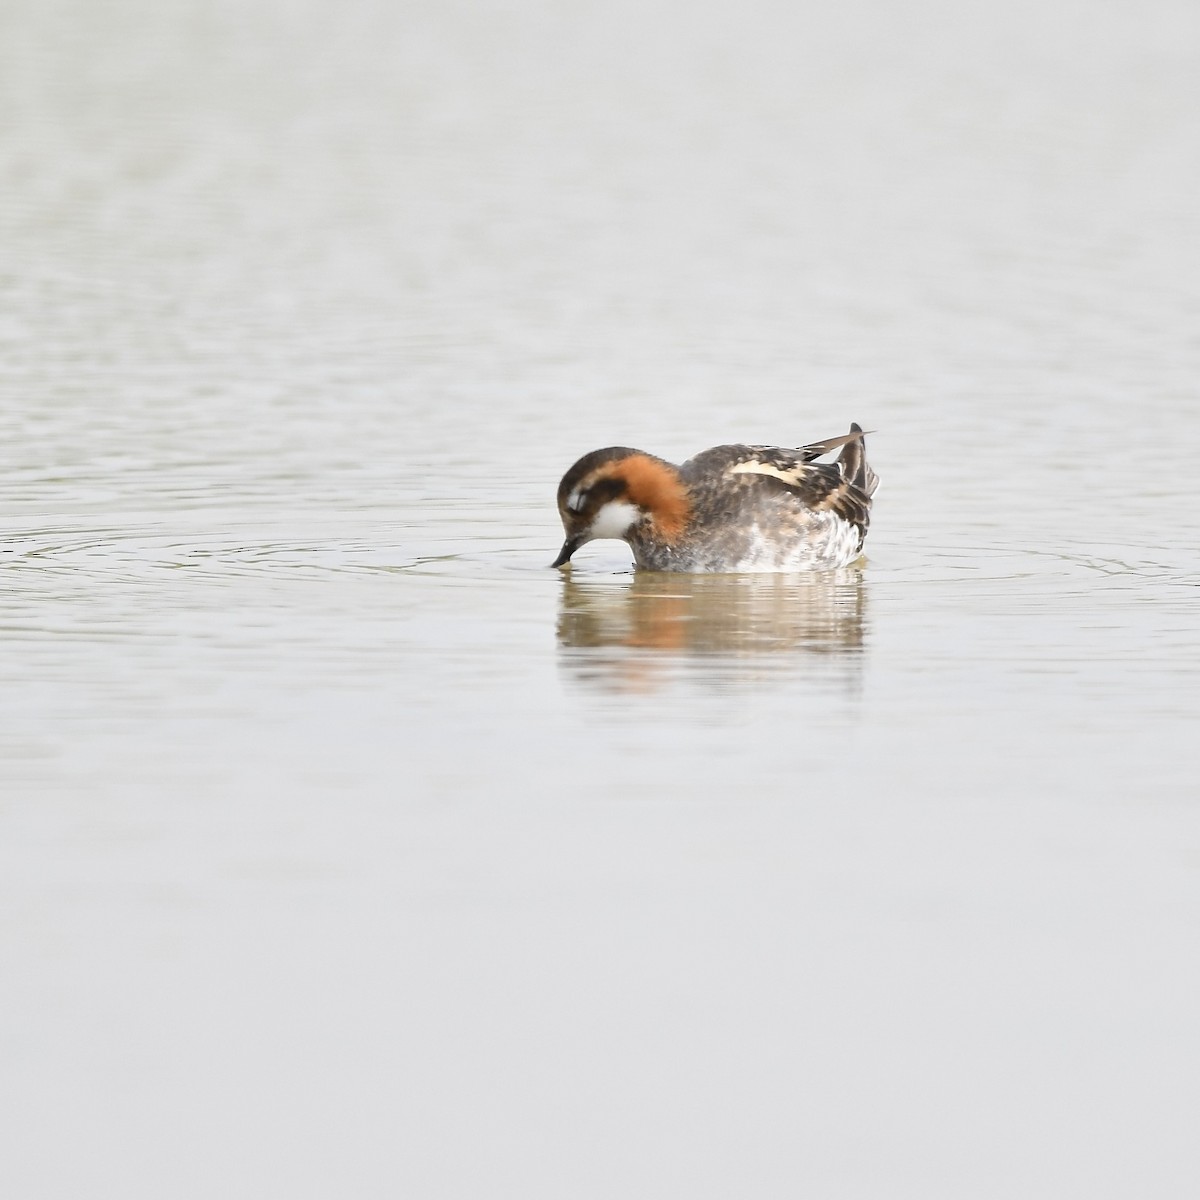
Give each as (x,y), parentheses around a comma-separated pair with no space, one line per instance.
(844,486)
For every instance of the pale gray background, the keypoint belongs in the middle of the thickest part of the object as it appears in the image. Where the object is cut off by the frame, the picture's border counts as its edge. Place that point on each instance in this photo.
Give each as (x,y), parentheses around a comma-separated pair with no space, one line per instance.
(348,851)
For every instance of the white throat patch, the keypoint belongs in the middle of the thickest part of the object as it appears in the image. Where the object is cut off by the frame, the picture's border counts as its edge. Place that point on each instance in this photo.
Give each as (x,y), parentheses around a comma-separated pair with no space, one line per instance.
(614,520)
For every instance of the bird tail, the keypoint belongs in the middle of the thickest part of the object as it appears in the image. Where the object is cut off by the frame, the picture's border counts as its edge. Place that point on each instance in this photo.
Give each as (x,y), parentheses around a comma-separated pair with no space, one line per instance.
(853,461)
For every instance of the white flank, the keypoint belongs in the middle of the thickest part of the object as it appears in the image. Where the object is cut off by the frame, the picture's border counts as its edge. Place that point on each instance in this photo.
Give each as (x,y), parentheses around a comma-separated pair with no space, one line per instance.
(831,543)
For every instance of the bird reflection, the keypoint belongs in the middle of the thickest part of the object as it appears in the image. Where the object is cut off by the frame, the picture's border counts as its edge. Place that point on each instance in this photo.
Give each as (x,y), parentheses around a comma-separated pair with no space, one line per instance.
(635,633)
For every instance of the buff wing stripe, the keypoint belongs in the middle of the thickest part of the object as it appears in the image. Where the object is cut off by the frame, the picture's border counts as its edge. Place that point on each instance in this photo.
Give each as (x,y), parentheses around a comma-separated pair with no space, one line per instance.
(843,487)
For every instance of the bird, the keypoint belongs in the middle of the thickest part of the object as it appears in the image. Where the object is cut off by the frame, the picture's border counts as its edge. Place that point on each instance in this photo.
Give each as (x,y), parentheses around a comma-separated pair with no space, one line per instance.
(729,509)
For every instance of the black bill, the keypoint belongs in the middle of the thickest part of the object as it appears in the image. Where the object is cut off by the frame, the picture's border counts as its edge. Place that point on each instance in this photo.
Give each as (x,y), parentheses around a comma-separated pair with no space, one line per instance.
(568,548)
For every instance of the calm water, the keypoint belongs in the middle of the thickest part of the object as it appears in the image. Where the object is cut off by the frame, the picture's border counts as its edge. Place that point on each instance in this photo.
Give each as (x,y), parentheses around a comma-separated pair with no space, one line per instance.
(347,850)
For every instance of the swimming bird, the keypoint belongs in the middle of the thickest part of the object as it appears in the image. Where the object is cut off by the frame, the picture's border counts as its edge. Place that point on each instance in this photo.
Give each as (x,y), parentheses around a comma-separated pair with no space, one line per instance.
(731,508)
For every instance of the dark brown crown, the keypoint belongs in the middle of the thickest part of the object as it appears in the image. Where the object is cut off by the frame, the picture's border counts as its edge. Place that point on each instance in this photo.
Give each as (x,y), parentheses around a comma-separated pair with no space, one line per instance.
(587,466)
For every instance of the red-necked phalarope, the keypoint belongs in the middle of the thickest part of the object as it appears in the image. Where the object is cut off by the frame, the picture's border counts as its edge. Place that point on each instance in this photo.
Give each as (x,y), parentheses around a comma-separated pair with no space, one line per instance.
(731,508)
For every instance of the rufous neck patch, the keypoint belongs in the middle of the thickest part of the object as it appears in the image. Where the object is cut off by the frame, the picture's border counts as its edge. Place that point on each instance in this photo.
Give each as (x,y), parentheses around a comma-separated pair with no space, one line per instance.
(655,486)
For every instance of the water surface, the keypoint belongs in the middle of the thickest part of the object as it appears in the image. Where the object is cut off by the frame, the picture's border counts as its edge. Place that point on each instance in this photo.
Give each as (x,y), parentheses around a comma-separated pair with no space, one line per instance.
(348,849)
